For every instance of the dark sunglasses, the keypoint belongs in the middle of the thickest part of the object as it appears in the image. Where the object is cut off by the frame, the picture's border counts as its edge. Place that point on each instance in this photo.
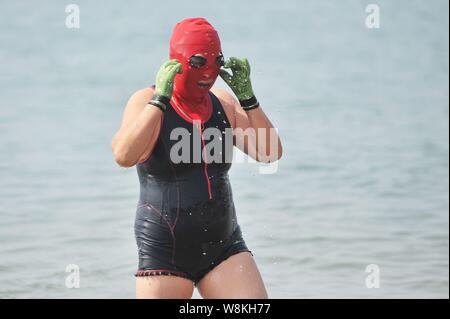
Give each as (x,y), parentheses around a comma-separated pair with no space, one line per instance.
(197,61)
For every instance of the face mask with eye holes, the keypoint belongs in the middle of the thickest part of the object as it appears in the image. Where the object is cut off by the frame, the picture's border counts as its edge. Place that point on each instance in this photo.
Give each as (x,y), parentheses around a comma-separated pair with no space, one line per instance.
(198,61)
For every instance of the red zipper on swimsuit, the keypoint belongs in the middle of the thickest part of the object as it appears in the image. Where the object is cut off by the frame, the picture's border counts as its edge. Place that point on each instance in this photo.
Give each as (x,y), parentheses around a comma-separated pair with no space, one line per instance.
(205,160)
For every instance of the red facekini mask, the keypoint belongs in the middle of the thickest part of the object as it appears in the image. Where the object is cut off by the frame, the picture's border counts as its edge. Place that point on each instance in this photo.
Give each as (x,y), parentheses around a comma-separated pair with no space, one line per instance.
(196,45)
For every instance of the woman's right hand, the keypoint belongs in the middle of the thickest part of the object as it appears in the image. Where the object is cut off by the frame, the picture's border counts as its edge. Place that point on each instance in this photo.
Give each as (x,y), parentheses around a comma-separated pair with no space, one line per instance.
(165,78)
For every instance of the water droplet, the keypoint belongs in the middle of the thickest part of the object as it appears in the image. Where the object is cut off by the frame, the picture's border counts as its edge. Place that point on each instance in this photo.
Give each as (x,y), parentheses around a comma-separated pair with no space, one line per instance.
(203,253)
(218,112)
(221,241)
(205,229)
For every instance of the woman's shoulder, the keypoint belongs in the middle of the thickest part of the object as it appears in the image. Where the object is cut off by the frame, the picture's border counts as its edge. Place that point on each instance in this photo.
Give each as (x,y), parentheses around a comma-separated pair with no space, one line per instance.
(228,102)
(222,95)
(226,99)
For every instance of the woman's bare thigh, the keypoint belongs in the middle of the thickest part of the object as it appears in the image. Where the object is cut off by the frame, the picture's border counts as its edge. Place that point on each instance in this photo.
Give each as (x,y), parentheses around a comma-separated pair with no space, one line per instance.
(163,287)
(236,277)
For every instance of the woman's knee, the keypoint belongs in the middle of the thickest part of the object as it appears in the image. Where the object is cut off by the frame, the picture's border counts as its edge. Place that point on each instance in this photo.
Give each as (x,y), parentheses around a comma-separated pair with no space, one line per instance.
(163,287)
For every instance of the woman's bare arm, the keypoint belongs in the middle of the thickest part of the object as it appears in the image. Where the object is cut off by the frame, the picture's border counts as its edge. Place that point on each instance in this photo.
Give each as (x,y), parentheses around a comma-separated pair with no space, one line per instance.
(139,131)
(266,148)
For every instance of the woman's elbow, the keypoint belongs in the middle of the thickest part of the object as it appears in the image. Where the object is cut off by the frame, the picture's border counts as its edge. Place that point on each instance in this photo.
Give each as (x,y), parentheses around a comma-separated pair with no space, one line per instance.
(124,162)
(121,157)
(280,151)
(271,158)
(275,153)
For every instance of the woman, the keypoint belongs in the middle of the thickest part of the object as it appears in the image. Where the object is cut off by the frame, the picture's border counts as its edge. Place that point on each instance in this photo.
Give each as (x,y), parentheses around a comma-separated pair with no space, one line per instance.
(186,227)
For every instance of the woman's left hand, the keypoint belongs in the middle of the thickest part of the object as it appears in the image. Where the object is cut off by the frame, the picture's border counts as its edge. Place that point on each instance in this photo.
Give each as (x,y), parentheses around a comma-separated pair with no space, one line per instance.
(239,81)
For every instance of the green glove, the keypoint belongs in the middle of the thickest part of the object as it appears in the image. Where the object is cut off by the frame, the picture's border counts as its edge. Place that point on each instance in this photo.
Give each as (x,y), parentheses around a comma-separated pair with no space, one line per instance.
(164,83)
(240,82)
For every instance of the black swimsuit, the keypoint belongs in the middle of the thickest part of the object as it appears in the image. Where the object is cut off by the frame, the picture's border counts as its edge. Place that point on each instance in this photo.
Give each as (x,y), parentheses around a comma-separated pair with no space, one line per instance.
(186,220)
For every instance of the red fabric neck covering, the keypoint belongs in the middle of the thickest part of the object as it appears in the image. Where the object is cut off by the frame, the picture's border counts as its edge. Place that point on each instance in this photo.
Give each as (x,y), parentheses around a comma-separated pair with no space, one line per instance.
(194,36)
